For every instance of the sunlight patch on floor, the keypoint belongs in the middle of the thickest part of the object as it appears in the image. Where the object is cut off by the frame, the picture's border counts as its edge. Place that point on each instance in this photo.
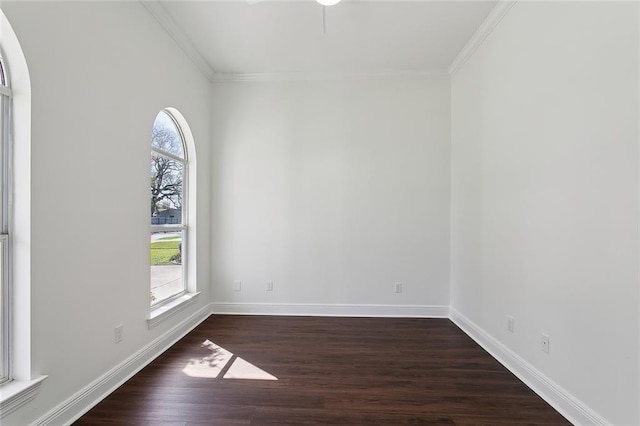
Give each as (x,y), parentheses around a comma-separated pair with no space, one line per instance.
(210,366)
(241,369)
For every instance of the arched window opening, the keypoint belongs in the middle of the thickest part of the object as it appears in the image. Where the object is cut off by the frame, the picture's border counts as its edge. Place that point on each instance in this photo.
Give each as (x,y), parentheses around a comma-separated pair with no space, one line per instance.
(169,228)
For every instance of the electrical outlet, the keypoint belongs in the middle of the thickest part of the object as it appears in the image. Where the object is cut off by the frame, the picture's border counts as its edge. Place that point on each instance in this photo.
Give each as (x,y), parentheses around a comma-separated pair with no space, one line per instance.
(544,343)
(118,336)
(237,286)
(269,285)
(398,287)
(510,324)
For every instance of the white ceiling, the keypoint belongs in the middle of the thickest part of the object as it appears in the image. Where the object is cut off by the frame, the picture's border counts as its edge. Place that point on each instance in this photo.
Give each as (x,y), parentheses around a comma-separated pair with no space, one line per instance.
(361,36)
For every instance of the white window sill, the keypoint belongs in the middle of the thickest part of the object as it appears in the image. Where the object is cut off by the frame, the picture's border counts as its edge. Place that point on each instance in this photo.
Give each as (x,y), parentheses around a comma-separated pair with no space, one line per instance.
(17,393)
(168,310)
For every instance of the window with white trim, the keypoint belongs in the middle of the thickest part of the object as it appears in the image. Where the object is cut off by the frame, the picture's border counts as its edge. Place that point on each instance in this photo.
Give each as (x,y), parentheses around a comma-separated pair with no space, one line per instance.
(21,382)
(5,285)
(168,206)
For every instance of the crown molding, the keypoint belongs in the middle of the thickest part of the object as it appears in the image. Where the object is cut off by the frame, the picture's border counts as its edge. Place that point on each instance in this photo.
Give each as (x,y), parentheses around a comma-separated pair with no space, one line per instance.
(488,25)
(165,20)
(332,76)
(162,16)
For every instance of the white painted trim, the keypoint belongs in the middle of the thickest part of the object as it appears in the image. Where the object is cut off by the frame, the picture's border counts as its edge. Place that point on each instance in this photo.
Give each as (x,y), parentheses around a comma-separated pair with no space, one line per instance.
(488,25)
(14,395)
(164,18)
(638,193)
(332,76)
(81,402)
(167,310)
(559,398)
(292,309)
(565,403)
(158,11)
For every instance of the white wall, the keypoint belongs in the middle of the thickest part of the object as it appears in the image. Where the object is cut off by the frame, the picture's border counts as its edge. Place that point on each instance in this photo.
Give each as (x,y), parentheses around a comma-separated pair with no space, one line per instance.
(333,190)
(545,195)
(100,72)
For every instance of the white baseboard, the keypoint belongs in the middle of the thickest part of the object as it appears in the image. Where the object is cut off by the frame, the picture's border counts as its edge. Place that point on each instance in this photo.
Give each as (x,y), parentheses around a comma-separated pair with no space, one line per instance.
(292,309)
(78,404)
(565,403)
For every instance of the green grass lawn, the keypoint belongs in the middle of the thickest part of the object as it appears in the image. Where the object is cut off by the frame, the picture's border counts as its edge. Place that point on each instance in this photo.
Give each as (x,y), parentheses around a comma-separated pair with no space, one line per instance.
(161,251)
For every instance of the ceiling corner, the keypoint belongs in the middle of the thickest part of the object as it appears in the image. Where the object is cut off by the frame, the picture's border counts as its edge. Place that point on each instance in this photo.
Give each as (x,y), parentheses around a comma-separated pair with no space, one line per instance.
(160,14)
(480,35)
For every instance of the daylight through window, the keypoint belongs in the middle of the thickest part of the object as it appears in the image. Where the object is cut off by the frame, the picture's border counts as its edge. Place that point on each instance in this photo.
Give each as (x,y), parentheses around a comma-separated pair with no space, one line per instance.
(169,172)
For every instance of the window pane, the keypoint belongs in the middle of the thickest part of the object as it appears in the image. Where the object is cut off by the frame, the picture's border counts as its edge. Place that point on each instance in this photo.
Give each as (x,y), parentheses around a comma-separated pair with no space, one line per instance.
(4,110)
(165,135)
(3,75)
(167,177)
(167,278)
(3,305)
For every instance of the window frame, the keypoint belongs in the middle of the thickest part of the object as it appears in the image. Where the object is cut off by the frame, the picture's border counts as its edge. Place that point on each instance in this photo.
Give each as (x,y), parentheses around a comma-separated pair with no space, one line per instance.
(25,383)
(6,309)
(183,227)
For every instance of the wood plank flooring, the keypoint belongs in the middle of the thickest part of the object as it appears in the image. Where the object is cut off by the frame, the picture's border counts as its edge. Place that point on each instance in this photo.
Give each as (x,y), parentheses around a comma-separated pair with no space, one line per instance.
(337,371)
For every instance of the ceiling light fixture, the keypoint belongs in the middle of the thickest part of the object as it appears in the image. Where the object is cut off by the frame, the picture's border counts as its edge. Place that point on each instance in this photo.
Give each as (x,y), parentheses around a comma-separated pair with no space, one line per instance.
(328,2)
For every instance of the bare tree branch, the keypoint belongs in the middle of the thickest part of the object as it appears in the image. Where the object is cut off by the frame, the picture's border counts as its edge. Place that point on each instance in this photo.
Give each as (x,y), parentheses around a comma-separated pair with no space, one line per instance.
(166,173)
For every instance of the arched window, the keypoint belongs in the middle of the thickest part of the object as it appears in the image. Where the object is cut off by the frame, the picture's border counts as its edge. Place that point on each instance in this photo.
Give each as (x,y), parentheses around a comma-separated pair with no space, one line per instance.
(20,384)
(168,207)
(5,308)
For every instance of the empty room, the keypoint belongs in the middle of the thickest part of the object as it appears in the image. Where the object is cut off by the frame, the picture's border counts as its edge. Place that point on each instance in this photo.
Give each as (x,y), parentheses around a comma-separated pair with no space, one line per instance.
(250,212)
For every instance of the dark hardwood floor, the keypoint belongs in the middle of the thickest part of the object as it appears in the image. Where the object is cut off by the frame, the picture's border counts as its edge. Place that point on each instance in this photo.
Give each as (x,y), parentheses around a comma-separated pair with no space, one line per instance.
(338,371)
